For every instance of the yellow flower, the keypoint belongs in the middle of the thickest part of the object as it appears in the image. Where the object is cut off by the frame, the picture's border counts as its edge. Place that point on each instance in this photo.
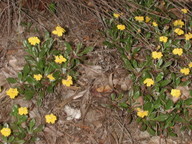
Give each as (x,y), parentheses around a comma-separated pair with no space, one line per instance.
(60,59)
(188,36)
(179,23)
(121,27)
(68,82)
(176,93)
(38,77)
(184,10)
(12,92)
(6,132)
(141,113)
(116,15)
(51,78)
(23,111)
(157,55)
(139,18)
(185,71)
(155,24)
(34,40)
(59,31)
(177,51)
(163,39)
(149,82)
(179,31)
(51,118)
(147,19)
(190,65)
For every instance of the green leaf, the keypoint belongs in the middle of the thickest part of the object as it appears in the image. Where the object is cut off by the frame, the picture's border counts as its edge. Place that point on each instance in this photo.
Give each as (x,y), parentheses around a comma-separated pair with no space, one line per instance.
(11,138)
(26,70)
(165,82)
(159,77)
(31,124)
(30,59)
(14,111)
(128,64)
(157,103)
(150,131)
(20,76)
(186,83)
(11,80)
(159,63)
(167,64)
(38,129)
(31,80)
(34,51)
(29,93)
(188,101)
(161,117)
(177,81)
(168,122)
(123,105)
(19,141)
(68,48)
(134,63)
(137,94)
(86,51)
(52,7)
(148,106)
(136,50)
(169,104)
(50,89)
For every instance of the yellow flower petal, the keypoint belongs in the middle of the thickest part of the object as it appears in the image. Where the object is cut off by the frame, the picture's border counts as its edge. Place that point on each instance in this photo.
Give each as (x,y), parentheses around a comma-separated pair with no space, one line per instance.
(51,118)
(34,40)
(23,111)
(121,27)
(12,92)
(6,132)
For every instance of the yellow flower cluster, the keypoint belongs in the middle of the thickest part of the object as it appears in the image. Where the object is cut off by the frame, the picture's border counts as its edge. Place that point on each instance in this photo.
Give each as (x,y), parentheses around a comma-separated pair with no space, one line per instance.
(116,15)
(147,19)
(139,18)
(154,24)
(184,11)
(12,92)
(163,39)
(51,118)
(156,55)
(60,59)
(179,23)
(190,65)
(149,82)
(185,71)
(34,40)
(179,31)
(177,51)
(68,82)
(188,36)
(51,78)
(37,77)
(59,31)
(142,113)
(120,27)
(23,111)
(176,93)
(6,132)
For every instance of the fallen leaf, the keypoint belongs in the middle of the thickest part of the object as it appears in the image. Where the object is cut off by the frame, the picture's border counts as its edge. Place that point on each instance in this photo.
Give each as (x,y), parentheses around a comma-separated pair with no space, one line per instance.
(104,89)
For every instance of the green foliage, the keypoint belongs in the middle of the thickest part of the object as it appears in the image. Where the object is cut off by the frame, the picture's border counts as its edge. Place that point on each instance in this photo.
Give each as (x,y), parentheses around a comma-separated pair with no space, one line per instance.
(40,59)
(23,129)
(135,45)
